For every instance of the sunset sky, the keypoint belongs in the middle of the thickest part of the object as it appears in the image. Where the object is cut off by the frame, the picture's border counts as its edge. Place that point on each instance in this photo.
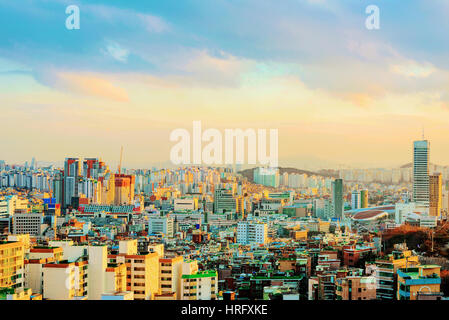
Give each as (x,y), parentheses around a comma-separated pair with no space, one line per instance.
(338,93)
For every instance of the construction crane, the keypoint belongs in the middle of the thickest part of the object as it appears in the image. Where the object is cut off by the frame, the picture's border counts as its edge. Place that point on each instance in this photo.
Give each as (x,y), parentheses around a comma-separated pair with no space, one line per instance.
(120,164)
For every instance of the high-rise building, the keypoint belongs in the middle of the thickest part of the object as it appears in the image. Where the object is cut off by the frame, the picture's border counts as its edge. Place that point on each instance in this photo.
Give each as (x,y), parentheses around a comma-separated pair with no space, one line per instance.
(364,199)
(92,167)
(124,189)
(435,194)
(421,151)
(58,191)
(71,176)
(337,198)
(356,200)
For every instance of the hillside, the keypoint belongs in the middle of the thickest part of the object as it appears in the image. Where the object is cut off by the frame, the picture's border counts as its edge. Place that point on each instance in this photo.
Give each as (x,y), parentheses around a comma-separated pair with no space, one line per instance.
(249,173)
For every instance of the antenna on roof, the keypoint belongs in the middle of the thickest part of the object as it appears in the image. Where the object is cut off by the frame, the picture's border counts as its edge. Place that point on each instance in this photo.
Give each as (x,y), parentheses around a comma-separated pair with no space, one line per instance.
(423,132)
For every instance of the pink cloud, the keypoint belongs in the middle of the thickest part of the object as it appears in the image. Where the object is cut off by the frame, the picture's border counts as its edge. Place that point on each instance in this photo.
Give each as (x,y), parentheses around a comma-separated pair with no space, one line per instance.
(92,85)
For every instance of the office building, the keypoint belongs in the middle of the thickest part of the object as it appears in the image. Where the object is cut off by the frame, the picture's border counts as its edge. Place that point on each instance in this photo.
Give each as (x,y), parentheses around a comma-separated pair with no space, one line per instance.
(337,198)
(421,150)
(435,194)
(27,223)
(164,225)
(356,200)
(224,201)
(364,199)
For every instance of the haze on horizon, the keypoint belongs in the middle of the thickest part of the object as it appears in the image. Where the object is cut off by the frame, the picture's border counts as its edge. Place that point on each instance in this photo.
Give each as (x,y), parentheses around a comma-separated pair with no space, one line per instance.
(339,94)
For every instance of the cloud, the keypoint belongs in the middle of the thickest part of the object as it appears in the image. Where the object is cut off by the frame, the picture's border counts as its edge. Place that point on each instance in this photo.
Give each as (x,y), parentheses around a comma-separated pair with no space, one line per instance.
(117,52)
(189,66)
(222,67)
(153,23)
(127,17)
(413,69)
(90,84)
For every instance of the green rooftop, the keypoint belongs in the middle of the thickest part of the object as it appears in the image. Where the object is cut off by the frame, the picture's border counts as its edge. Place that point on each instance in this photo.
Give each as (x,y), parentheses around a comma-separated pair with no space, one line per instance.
(201,274)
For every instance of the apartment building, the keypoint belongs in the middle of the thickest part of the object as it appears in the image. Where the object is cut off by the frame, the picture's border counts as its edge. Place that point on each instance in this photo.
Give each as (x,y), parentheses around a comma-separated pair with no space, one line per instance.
(59,281)
(356,288)
(142,270)
(386,272)
(201,285)
(11,203)
(103,280)
(252,233)
(414,282)
(170,276)
(12,265)
(38,257)
(353,253)
(115,284)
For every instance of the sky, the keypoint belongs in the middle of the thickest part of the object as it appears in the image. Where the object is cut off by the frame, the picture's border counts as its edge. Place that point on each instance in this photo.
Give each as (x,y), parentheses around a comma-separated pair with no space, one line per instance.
(338,93)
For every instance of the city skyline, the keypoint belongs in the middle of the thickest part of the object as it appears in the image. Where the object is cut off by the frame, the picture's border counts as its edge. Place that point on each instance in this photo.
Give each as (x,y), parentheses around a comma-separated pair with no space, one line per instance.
(235,153)
(337,92)
(169,165)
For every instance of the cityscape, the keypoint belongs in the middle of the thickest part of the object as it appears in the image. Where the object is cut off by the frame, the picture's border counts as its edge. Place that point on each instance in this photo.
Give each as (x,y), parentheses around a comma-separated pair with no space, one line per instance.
(224,158)
(90,232)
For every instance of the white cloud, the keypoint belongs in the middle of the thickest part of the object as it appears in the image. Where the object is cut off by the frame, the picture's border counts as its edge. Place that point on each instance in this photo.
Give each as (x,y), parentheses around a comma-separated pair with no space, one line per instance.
(152,23)
(117,52)
(413,69)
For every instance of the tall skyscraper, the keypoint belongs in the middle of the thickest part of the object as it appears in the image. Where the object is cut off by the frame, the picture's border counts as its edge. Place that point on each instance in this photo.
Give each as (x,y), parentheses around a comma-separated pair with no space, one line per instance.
(71,176)
(364,200)
(435,194)
(421,151)
(337,198)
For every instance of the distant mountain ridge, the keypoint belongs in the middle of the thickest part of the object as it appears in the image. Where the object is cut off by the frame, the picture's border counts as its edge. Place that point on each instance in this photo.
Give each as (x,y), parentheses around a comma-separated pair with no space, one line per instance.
(326,173)
(410,165)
